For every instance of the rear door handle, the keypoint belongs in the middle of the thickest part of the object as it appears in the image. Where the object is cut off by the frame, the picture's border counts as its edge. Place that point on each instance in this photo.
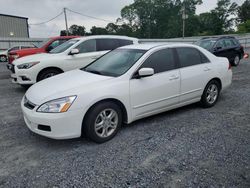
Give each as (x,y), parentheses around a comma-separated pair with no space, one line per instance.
(95,57)
(173,77)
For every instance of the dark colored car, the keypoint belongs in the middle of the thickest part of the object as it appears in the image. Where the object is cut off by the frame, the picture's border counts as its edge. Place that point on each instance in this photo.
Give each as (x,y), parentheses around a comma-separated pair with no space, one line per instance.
(226,46)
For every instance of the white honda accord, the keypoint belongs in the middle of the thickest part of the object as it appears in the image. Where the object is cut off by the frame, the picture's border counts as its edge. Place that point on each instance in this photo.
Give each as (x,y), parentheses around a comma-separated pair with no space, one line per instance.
(125,85)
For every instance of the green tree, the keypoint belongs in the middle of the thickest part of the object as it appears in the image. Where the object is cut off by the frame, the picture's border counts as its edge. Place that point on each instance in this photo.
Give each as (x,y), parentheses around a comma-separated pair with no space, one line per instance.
(244,11)
(98,31)
(244,27)
(226,12)
(159,18)
(77,30)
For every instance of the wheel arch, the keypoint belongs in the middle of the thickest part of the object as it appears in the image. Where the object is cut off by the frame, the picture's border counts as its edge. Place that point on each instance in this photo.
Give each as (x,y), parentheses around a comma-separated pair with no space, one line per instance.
(116,101)
(218,80)
(47,68)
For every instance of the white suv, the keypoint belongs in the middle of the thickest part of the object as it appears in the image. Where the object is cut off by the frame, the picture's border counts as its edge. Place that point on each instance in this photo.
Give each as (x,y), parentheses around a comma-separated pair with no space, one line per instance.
(73,54)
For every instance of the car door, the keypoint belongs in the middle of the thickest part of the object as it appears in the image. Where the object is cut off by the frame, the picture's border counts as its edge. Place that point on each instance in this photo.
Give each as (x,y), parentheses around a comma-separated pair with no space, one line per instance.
(152,94)
(195,73)
(230,49)
(219,48)
(87,54)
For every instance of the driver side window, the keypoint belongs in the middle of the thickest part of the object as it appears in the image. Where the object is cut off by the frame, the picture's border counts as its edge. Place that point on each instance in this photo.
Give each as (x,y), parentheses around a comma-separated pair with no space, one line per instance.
(220,44)
(161,61)
(87,46)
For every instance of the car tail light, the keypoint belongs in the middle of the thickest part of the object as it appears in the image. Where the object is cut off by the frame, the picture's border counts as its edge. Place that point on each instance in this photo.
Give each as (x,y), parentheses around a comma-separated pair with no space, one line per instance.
(14,55)
(229,66)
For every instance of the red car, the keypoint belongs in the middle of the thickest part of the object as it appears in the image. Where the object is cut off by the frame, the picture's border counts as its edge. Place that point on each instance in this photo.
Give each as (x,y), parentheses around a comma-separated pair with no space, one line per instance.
(44,47)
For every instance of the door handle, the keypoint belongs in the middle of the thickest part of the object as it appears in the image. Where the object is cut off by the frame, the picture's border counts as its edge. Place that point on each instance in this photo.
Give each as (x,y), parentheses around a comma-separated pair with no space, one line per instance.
(95,57)
(207,69)
(173,77)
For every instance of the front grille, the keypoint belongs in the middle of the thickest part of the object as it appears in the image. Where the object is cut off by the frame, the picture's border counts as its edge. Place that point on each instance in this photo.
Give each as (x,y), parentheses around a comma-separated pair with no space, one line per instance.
(28,104)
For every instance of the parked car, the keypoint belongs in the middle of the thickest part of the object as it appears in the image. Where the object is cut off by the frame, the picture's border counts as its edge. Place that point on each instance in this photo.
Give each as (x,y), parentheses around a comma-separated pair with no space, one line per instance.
(73,54)
(44,47)
(125,85)
(226,46)
(4,54)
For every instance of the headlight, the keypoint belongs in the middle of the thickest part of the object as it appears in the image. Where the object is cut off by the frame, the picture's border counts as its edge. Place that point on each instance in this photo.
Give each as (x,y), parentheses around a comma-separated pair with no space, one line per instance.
(57,105)
(27,65)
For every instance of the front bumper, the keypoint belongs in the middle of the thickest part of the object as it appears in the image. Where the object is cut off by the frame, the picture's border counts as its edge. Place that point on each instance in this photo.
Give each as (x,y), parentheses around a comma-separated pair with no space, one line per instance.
(62,125)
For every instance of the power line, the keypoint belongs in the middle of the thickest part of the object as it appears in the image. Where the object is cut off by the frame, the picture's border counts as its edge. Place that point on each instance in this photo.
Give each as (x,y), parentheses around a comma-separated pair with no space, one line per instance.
(89,16)
(48,20)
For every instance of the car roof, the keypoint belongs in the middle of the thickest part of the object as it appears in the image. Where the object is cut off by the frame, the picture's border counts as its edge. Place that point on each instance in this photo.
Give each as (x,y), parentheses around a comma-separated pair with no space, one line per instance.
(63,37)
(218,38)
(106,36)
(148,46)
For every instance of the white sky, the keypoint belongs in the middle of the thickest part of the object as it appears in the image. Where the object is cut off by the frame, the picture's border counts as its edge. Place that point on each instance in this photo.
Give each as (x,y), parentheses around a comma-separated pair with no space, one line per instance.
(42,10)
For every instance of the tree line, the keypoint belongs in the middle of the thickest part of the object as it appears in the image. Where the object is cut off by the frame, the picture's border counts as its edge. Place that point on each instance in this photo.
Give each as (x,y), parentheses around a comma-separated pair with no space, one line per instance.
(163,19)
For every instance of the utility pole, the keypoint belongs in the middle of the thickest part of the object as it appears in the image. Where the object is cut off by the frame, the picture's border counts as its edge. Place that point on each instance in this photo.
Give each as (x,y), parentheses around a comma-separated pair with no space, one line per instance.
(66,21)
(183,20)
(184,17)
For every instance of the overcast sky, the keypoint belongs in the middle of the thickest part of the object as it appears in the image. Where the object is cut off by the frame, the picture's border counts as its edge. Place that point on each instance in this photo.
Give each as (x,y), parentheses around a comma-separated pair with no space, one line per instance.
(42,10)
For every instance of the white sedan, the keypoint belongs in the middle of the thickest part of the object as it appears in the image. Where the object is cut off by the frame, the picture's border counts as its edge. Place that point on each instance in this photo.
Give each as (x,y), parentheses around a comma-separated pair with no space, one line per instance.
(73,54)
(124,85)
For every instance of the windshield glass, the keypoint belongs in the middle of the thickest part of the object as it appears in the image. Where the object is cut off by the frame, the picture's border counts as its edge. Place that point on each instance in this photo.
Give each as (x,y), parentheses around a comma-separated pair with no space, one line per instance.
(115,63)
(40,45)
(207,44)
(61,48)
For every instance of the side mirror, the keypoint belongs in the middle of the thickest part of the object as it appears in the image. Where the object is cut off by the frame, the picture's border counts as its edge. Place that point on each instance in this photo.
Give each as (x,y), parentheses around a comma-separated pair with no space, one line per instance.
(217,48)
(74,51)
(49,48)
(145,72)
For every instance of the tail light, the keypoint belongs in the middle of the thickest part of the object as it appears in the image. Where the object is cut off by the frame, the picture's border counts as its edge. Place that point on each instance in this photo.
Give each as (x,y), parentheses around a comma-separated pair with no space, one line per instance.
(14,55)
(229,66)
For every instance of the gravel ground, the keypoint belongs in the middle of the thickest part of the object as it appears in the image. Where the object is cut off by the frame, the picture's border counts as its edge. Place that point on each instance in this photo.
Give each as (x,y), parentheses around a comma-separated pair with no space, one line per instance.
(187,147)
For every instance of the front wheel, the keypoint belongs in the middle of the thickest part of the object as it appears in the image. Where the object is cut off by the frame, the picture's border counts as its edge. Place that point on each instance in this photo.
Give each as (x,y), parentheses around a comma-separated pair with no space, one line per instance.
(102,122)
(210,94)
(3,58)
(47,74)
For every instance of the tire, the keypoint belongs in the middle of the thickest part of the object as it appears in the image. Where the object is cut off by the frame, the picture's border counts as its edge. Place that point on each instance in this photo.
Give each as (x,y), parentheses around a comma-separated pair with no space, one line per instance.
(210,94)
(102,132)
(47,74)
(236,61)
(3,58)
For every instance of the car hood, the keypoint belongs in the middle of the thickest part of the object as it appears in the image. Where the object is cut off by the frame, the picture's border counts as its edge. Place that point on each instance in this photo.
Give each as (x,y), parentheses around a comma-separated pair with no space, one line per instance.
(66,84)
(35,57)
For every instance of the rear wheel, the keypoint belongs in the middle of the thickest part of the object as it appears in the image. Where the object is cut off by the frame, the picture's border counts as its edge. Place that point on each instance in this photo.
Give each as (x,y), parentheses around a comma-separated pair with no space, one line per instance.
(211,94)
(236,60)
(48,73)
(3,58)
(102,122)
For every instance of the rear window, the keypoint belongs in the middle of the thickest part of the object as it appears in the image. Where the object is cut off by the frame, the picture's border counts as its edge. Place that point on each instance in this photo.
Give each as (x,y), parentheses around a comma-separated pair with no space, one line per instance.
(189,56)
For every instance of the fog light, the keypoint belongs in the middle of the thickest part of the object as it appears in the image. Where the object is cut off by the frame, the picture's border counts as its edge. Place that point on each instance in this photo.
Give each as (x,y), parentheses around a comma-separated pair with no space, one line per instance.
(24,78)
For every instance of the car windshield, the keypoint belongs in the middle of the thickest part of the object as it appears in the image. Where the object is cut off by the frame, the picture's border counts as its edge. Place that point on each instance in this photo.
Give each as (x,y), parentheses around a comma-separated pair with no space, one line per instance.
(207,44)
(61,48)
(115,63)
(40,45)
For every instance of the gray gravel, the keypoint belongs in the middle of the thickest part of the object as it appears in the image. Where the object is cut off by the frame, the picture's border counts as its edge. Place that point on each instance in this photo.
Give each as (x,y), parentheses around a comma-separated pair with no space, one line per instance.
(187,147)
